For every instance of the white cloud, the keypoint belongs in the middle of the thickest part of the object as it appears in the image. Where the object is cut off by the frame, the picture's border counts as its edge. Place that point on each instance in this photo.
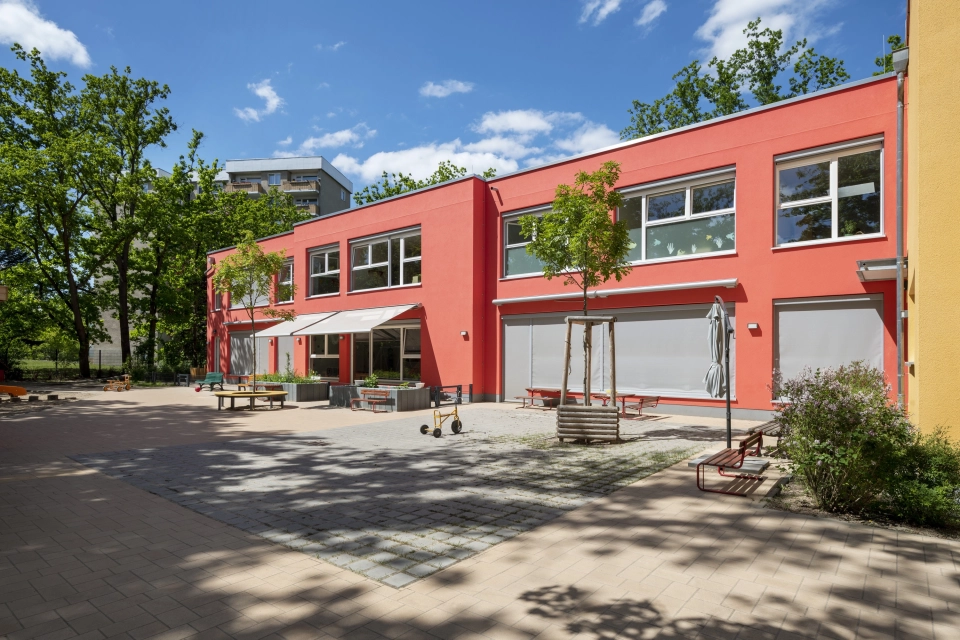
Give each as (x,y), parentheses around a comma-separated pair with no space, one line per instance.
(286,141)
(272,102)
(323,85)
(723,30)
(502,146)
(422,161)
(355,137)
(331,47)
(598,10)
(524,122)
(20,21)
(651,11)
(445,88)
(589,137)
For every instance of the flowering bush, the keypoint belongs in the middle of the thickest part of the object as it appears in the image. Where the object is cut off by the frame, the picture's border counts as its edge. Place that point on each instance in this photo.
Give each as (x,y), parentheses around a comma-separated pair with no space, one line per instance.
(925,488)
(843,435)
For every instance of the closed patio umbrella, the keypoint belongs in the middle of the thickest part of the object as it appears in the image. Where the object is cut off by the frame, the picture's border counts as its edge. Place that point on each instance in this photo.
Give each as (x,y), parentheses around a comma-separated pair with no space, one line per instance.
(717,379)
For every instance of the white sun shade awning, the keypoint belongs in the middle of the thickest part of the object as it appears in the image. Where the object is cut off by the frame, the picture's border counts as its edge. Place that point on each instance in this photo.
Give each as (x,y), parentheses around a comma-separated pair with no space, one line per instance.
(356,321)
(288,327)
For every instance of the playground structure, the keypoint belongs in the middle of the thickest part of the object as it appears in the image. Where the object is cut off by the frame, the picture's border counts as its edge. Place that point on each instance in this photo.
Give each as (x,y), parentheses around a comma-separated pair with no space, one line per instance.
(588,422)
(439,418)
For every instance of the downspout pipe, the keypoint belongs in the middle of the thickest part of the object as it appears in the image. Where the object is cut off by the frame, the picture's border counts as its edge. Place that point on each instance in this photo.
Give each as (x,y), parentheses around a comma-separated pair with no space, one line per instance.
(900,59)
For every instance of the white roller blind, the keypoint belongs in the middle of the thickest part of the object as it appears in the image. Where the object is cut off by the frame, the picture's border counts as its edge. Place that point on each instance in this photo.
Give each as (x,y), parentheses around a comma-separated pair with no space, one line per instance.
(821,334)
(263,355)
(548,348)
(241,353)
(666,352)
(285,349)
(516,358)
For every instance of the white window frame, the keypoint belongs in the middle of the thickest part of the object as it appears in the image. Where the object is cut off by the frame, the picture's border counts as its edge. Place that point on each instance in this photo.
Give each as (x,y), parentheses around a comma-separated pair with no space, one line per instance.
(217,300)
(270,179)
(403,348)
(512,218)
(325,252)
(326,353)
(248,180)
(388,239)
(281,283)
(833,157)
(264,298)
(343,194)
(305,178)
(687,186)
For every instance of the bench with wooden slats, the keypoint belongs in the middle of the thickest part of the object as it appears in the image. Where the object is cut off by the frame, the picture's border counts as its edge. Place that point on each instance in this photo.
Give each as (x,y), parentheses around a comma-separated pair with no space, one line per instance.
(731,459)
(375,398)
(578,422)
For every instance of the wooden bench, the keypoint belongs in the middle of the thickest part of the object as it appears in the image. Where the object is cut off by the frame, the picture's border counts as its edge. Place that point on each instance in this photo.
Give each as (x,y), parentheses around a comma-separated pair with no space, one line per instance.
(213,378)
(270,396)
(643,402)
(373,397)
(532,396)
(118,384)
(731,459)
(771,429)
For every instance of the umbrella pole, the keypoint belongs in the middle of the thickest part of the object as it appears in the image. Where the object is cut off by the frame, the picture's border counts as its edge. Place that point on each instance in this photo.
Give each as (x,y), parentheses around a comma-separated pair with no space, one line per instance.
(726,358)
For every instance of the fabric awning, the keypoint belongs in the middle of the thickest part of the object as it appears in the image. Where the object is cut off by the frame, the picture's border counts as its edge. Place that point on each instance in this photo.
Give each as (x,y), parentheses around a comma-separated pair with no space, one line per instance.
(288,327)
(356,321)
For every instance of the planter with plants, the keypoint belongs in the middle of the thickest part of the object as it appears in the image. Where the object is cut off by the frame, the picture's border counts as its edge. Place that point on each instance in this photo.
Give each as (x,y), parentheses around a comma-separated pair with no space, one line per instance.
(405,396)
(299,388)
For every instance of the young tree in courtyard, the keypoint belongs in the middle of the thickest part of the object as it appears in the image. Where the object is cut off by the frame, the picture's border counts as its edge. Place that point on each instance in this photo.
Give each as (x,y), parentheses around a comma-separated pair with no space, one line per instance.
(578,239)
(248,275)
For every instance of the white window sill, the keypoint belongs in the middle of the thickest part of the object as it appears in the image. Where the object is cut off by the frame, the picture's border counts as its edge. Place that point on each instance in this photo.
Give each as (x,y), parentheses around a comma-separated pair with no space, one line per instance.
(521,276)
(399,286)
(281,304)
(814,243)
(692,256)
(322,295)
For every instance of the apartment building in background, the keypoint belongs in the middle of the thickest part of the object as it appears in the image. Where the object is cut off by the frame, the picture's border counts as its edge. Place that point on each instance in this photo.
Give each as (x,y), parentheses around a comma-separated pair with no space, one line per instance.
(315,185)
(788,211)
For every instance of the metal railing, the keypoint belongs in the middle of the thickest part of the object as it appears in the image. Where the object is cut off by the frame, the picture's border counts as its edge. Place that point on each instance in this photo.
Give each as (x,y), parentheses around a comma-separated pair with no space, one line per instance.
(299,185)
(451,394)
(247,187)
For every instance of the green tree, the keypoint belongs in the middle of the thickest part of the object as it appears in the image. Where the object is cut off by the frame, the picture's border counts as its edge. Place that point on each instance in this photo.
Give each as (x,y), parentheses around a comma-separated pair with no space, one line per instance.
(757,68)
(248,275)
(394,184)
(122,115)
(577,240)
(886,62)
(48,156)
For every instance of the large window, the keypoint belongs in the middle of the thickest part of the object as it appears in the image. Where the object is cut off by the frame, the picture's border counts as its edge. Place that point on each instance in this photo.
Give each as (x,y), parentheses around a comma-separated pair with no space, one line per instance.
(390,261)
(273,179)
(325,356)
(259,300)
(324,271)
(686,219)
(829,197)
(390,353)
(285,282)
(516,260)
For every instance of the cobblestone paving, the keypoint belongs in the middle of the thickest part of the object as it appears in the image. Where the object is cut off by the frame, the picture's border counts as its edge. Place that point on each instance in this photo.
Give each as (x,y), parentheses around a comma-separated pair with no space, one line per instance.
(389,503)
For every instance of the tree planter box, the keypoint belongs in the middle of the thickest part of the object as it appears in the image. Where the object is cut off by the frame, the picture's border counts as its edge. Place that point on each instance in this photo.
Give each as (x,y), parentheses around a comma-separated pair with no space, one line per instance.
(306,392)
(399,399)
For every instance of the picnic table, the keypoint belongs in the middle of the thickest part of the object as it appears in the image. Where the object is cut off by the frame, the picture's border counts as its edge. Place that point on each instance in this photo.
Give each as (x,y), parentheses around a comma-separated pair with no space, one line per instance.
(271,396)
(626,400)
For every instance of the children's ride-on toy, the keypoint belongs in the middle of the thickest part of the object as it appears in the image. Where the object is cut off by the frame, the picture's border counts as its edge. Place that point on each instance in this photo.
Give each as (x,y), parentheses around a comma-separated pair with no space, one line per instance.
(439,419)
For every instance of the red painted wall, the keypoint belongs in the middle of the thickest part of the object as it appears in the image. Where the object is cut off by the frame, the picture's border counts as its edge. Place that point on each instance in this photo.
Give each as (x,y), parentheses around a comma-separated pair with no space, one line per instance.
(462,244)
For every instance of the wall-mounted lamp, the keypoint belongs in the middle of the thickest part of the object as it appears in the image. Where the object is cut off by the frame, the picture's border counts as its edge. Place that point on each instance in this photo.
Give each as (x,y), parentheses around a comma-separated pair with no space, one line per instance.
(214,332)
(463,333)
(270,342)
(753,325)
(299,340)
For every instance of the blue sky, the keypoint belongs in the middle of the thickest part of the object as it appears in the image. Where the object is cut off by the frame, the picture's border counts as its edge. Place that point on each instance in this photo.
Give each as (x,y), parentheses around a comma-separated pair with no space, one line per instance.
(395,86)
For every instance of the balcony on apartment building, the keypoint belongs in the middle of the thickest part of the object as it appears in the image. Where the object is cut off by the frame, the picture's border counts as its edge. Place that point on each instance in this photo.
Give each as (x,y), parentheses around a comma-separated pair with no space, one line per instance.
(300,186)
(252,188)
(309,208)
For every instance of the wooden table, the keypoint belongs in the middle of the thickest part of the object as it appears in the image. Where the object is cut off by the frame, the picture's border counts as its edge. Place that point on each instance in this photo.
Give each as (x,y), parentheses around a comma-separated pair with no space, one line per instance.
(272,396)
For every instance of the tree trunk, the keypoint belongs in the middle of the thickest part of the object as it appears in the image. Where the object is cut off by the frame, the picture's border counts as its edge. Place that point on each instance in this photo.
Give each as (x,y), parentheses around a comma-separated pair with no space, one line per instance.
(586,351)
(152,308)
(123,303)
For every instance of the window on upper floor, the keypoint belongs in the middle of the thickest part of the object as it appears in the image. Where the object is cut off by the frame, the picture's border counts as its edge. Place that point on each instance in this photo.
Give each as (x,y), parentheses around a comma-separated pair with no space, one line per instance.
(386,261)
(246,179)
(325,271)
(516,260)
(343,194)
(285,282)
(685,218)
(259,298)
(304,178)
(217,301)
(830,196)
(273,179)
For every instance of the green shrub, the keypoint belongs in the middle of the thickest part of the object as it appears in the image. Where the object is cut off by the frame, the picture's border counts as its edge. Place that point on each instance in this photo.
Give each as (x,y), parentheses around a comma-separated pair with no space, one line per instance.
(371,381)
(843,435)
(289,377)
(925,488)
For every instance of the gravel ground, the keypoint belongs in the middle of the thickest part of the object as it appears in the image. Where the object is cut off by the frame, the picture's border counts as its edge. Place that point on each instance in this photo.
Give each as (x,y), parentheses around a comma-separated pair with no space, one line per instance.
(392,504)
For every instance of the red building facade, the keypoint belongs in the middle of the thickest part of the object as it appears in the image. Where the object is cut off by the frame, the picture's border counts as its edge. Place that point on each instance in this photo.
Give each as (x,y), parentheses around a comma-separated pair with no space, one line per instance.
(771,209)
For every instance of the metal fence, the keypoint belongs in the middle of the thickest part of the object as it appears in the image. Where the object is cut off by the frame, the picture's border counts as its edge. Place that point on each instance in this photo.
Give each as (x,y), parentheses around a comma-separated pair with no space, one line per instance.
(452,394)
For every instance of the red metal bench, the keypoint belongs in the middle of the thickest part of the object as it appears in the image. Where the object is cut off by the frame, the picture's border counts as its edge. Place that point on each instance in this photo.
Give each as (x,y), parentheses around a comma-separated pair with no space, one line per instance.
(643,402)
(373,397)
(731,459)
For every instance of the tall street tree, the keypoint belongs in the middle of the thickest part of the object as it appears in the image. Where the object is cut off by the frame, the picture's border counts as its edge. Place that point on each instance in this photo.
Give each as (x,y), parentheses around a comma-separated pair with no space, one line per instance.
(48,156)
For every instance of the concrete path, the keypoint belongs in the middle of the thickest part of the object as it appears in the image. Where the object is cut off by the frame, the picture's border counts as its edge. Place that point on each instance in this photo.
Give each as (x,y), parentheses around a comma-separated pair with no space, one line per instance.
(83,554)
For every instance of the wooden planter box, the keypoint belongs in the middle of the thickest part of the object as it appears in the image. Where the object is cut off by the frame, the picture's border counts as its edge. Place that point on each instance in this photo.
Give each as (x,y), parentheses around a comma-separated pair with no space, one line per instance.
(399,399)
(306,392)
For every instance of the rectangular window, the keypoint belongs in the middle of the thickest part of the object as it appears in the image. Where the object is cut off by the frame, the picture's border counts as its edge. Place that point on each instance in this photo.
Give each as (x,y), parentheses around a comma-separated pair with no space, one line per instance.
(285,282)
(259,300)
(324,271)
(217,301)
(830,197)
(343,194)
(246,179)
(304,178)
(273,179)
(325,356)
(698,217)
(516,260)
(391,353)
(387,262)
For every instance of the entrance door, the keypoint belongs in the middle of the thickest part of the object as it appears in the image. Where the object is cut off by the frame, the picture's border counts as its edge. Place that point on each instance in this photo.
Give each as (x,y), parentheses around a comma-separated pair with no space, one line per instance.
(216,354)
(241,353)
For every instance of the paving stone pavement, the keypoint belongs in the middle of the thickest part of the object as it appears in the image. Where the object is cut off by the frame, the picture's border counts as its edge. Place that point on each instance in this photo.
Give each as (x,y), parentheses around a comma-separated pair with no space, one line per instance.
(388,503)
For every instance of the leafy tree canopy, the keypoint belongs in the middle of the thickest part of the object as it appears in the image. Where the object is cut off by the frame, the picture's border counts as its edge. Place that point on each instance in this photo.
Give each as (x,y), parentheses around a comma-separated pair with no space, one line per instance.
(721,90)
(886,62)
(394,184)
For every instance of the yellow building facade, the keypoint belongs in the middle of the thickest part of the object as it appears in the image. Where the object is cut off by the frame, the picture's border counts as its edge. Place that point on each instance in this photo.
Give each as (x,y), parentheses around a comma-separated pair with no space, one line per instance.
(933,215)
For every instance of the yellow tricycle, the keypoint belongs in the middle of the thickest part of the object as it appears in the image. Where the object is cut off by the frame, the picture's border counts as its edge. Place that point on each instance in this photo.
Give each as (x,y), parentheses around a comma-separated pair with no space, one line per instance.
(439,418)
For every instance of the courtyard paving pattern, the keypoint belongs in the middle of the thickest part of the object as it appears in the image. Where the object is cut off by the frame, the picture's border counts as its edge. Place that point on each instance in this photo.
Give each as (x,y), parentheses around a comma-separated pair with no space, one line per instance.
(393,505)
